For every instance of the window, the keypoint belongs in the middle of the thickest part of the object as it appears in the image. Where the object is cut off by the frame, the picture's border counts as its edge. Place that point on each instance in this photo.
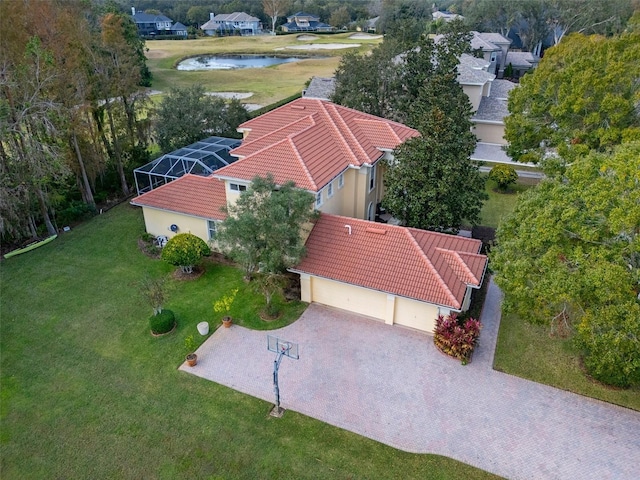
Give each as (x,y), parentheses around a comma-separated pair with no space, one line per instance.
(341,180)
(211,226)
(319,198)
(372,177)
(237,188)
(330,190)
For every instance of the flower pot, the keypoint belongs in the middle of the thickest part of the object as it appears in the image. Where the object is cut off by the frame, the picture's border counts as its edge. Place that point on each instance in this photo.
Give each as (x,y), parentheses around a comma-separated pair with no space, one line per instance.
(203,328)
(192,359)
(226,321)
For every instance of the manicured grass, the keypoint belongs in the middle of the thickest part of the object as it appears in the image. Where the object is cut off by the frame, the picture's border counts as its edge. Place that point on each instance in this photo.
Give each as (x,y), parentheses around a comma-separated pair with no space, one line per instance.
(528,351)
(87,392)
(268,84)
(502,204)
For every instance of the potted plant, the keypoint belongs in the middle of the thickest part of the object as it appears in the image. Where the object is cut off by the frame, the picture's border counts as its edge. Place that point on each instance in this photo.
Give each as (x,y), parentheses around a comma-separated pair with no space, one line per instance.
(191,345)
(223,305)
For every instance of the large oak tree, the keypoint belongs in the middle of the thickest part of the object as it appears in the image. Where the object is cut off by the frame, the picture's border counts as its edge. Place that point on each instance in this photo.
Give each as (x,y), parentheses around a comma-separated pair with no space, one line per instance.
(569,255)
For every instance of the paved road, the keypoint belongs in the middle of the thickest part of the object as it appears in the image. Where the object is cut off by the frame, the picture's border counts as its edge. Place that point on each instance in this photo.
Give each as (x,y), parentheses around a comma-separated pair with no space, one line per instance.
(391,384)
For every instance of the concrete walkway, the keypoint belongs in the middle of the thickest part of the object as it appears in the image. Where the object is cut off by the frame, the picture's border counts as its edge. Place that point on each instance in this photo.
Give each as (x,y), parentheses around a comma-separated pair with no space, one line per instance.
(391,384)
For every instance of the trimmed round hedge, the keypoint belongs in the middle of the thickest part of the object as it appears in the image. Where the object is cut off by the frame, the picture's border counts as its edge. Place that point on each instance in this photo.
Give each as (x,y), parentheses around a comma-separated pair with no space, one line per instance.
(163,322)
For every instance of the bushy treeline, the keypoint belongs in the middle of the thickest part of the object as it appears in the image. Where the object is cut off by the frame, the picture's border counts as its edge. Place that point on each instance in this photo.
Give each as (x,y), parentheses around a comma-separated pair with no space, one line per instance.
(72,114)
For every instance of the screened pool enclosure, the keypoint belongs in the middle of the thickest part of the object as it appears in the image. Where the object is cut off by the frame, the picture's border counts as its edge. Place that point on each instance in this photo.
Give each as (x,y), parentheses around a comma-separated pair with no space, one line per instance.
(200,158)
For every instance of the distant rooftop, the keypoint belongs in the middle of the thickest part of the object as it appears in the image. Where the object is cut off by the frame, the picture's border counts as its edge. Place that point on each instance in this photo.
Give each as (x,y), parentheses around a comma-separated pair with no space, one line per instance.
(320,88)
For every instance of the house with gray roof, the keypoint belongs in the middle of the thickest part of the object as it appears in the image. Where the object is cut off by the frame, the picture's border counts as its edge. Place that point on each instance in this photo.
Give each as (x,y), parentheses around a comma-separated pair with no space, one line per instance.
(151,24)
(236,23)
(320,88)
(305,22)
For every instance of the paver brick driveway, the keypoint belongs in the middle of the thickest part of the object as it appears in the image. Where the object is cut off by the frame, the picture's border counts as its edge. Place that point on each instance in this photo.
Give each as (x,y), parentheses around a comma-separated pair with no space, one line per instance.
(391,384)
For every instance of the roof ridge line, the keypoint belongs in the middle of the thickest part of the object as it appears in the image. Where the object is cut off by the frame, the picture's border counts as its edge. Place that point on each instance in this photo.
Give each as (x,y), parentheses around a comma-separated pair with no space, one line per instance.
(460,260)
(432,268)
(345,144)
(353,137)
(304,166)
(386,124)
(310,117)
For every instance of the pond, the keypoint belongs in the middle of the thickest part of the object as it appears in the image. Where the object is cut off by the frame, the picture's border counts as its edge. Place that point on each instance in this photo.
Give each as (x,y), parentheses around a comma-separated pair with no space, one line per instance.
(229,62)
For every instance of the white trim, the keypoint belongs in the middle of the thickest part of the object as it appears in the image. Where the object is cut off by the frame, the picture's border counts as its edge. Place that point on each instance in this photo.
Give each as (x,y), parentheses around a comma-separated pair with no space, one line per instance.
(330,191)
(341,180)
(319,199)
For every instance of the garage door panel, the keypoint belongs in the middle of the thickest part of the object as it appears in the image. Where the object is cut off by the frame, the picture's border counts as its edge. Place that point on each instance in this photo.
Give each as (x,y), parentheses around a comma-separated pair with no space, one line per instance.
(348,297)
(414,314)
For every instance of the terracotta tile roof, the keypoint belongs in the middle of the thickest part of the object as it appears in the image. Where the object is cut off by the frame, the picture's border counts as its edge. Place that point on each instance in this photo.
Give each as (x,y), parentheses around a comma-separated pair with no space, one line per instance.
(427,266)
(311,141)
(191,194)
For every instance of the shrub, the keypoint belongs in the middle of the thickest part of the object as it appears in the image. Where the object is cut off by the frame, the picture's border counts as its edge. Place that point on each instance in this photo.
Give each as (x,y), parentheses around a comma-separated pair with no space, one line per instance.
(609,338)
(163,322)
(147,237)
(75,211)
(184,251)
(504,175)
(456,339)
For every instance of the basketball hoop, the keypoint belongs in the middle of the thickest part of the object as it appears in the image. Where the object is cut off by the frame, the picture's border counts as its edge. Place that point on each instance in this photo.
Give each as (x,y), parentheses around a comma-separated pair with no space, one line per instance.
(281,348)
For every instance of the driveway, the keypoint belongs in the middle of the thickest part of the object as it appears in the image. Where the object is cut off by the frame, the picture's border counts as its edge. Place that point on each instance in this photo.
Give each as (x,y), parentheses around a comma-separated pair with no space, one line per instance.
(391,384)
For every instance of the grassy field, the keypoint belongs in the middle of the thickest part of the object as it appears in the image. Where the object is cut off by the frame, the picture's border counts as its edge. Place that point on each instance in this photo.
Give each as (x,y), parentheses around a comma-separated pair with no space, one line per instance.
(501,204)
(87,392)
(527,351)
(268,85)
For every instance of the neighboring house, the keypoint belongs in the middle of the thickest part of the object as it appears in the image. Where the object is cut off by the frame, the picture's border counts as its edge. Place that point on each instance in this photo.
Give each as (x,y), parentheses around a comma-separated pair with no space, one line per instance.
(320,88)
(232,24)
(156,25)
(521,63)
(179,29)
(492,46)
(305,22)
(399,275)
(445,16)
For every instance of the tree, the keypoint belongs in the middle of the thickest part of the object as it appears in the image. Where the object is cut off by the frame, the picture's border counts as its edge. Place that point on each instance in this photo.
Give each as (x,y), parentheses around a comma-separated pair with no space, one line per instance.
(187,115)
(340,17)
(369,83)
(185,250)
(264,228)
(570,255)
(432,183)
(583,95)
(504,175)
(274,9)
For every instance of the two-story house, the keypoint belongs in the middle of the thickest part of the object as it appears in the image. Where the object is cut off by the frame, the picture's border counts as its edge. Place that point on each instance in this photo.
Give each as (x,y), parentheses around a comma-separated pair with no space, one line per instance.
(232,24)
(395,274)
(156,25)
(305,22)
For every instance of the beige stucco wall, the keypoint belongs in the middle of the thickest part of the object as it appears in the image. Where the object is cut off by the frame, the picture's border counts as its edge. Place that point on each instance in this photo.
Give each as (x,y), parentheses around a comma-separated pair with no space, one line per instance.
(490,133)
(415,314)
(157,222)
(385,307)
(474,92)
(348,297)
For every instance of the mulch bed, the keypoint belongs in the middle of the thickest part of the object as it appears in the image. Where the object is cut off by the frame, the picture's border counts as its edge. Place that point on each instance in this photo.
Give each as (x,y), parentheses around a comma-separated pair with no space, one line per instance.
(178,274)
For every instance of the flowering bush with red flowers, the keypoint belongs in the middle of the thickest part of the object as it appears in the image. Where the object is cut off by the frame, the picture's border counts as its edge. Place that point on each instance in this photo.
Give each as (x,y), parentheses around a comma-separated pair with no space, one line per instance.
(455,338)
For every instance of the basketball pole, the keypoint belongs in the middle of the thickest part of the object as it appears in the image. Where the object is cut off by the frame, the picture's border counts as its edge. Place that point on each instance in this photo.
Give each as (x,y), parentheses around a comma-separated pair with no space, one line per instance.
(276,388)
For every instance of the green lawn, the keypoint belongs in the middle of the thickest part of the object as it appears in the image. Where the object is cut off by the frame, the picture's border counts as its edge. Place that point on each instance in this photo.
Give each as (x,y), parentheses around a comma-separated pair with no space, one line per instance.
(528,351)
(501,204)
(87,392)
(268,84)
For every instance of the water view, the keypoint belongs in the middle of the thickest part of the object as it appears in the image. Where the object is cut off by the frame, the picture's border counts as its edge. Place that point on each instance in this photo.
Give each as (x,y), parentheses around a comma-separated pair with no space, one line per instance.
(229,62)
